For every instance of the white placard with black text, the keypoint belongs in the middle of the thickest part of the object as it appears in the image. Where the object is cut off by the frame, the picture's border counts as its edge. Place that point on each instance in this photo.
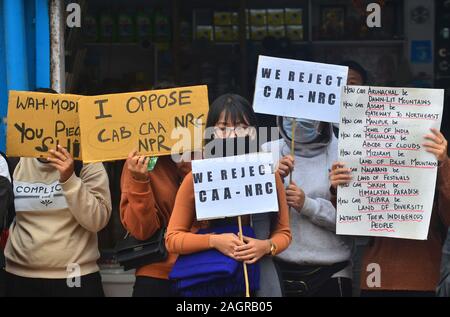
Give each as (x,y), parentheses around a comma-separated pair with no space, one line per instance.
(299,89)
(234,186)
(381,137)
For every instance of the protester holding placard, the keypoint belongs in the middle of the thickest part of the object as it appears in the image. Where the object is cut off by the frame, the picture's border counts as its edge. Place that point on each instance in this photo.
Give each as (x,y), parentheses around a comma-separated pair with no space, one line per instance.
(145,207)
(357,75)
(317,263)
(401,267)
(60,206)
(148,196)
(230,116)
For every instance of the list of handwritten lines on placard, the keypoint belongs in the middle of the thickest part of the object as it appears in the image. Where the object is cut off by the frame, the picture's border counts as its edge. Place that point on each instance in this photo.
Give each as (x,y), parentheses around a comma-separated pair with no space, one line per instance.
(385,150)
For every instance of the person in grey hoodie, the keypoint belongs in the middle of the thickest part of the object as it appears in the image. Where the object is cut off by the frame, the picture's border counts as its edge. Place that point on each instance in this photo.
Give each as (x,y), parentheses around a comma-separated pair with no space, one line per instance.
(318,262)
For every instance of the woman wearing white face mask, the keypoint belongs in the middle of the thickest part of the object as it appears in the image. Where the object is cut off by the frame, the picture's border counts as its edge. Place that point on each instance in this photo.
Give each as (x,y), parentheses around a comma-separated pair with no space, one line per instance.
(317,263)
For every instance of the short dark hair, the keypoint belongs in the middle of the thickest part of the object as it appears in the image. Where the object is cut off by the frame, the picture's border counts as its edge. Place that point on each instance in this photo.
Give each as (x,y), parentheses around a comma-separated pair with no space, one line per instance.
(236,108)
(357,68)
(46,90)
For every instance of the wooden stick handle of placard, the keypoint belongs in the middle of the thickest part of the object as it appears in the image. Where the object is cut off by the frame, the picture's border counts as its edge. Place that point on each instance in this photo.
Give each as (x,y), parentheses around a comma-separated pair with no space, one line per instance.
(241,236)
(294,126)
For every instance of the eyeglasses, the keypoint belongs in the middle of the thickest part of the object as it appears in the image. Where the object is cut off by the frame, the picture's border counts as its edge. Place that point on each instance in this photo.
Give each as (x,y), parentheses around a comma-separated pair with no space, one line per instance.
(227,131)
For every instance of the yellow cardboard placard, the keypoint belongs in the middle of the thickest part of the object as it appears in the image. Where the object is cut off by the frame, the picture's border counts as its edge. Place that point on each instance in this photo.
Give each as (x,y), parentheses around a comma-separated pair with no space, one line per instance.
(38,122)
(154,123)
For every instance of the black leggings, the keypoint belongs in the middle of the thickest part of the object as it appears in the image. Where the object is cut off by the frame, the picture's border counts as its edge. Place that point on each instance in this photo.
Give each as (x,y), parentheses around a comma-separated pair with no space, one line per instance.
(17,286)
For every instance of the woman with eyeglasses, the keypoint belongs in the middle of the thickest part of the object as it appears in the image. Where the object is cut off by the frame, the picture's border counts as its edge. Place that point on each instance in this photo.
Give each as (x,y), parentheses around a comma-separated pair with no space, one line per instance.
(317,263)
(232,120)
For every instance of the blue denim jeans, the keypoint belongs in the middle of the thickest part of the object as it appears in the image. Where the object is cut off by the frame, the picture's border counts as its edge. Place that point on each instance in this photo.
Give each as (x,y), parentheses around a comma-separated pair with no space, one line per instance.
(443,289)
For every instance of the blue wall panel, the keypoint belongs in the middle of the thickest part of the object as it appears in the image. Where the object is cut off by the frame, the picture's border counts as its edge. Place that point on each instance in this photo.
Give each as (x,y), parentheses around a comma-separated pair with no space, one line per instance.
(42,43)
(3,89)
(24,50)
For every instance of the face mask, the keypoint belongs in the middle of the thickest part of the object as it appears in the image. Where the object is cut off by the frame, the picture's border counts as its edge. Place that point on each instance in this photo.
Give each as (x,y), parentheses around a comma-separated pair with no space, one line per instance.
(230,147)
(306,131)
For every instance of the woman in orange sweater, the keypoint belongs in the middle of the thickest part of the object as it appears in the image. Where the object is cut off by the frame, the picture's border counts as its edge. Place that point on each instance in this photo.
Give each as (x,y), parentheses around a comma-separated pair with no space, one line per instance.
(145,207)
(230,116)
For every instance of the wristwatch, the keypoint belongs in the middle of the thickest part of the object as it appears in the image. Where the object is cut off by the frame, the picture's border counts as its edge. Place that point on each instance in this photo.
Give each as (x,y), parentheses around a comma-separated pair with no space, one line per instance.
(273,248)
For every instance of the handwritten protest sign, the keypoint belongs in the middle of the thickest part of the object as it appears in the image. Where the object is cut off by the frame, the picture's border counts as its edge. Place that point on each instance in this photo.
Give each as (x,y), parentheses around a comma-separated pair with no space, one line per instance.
(234,186)
(38,122)
(381,135)
(299,89)
(152,122)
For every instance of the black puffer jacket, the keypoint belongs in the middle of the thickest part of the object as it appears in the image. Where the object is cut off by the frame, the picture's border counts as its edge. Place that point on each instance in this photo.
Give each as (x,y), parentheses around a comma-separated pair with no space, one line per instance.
(6,200)
(6,216)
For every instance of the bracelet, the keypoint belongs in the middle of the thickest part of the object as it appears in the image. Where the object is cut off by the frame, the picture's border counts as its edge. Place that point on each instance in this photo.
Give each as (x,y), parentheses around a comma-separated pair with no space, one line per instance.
(273,248)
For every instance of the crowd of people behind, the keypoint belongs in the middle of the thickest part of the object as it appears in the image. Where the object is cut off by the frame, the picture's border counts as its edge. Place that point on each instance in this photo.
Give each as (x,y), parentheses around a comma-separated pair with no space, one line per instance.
(292,252)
